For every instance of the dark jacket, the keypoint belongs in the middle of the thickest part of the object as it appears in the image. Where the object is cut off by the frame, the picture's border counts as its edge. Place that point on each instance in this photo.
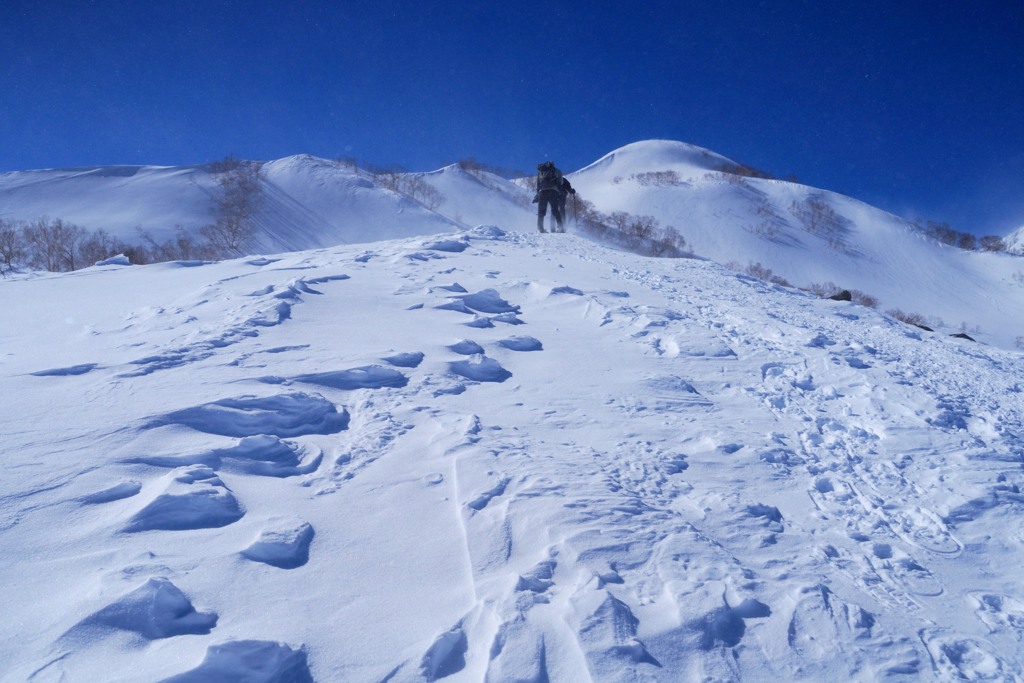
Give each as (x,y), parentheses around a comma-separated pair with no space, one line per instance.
(549,180)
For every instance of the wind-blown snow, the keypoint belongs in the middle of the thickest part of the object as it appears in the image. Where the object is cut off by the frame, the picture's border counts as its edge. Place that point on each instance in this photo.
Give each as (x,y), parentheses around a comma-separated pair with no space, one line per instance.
(529,459)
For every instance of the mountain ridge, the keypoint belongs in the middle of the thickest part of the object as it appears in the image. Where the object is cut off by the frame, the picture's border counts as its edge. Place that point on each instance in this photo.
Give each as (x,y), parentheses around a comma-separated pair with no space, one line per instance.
(807,236)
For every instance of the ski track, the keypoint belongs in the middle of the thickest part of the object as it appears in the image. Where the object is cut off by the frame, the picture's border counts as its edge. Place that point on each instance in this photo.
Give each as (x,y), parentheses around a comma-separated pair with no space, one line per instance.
(653,565)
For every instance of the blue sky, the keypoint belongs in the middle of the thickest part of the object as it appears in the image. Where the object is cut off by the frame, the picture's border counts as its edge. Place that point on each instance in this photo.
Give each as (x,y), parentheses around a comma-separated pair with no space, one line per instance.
(914,106)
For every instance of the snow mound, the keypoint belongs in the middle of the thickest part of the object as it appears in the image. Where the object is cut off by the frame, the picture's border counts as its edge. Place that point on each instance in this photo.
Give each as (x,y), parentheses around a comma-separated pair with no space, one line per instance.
(155,610)
(656,155)
(249,661)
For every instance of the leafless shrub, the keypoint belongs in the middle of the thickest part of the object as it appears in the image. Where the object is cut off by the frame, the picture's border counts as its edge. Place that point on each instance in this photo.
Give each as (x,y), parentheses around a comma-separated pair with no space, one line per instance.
(762,273)
(915,319)
(412,185)
(993,243)
(863,299)
(184,246)
(824,290)
(12,245)
(98,246)
(730,178)
(829,289)
(944,234)
(345,162)
(658,178)
(388,177)
(967,241)
(237,200)
(475,166)
(53,244)
(635,228)
(226,165)
(744,171)
(817,217)
(670,242)
(641,234)
(769,221)
(418,189)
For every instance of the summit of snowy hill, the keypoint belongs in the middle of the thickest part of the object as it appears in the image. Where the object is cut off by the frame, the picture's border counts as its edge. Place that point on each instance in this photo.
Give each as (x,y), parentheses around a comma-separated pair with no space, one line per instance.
(484,455)
(657,155)
(809,237)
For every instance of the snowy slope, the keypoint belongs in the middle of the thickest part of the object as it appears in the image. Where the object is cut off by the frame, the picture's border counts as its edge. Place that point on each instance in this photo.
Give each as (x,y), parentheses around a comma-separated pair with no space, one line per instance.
(1015,241)
(311,202)
(750,220)
(316,202)
(503,457)
(480,198)
(308,202)
(113,198)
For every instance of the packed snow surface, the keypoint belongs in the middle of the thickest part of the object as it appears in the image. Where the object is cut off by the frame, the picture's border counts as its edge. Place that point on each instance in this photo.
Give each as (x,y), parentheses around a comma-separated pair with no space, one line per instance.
(496,456)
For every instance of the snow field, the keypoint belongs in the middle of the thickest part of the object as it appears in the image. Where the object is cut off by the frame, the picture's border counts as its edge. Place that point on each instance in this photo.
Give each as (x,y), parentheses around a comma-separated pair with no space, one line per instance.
(496,456)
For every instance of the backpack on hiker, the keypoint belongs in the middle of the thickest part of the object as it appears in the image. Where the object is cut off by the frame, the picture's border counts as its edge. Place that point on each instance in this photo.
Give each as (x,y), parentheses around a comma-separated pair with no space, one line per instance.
(549,178)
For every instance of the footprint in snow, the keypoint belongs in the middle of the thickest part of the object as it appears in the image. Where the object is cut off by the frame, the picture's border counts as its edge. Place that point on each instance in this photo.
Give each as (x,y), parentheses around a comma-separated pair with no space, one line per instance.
(962,658)
(999,612)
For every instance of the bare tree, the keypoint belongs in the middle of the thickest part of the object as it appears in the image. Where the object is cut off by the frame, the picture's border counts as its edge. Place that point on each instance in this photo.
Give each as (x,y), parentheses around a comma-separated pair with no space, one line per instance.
(237,200)
(993,243)
(182,247)
(389,177)
(96,247)
(12,245)
(421,191)
(53,244)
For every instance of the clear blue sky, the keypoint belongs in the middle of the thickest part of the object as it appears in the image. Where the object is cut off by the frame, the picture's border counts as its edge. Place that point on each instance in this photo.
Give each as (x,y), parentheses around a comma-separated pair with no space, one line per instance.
(916,106)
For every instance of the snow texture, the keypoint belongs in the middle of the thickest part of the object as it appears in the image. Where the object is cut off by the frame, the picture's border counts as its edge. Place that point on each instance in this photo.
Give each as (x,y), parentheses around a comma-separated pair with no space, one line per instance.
(622,469)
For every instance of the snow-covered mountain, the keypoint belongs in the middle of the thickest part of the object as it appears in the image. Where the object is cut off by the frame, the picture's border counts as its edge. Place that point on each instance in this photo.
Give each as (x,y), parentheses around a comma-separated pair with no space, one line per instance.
(1015,241)
(804,235)
(486,455)
(307,202)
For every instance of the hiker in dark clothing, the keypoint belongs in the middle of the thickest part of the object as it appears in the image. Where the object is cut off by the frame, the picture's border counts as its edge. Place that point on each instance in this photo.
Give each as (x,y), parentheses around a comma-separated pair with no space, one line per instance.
(549,183)
(564,190)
